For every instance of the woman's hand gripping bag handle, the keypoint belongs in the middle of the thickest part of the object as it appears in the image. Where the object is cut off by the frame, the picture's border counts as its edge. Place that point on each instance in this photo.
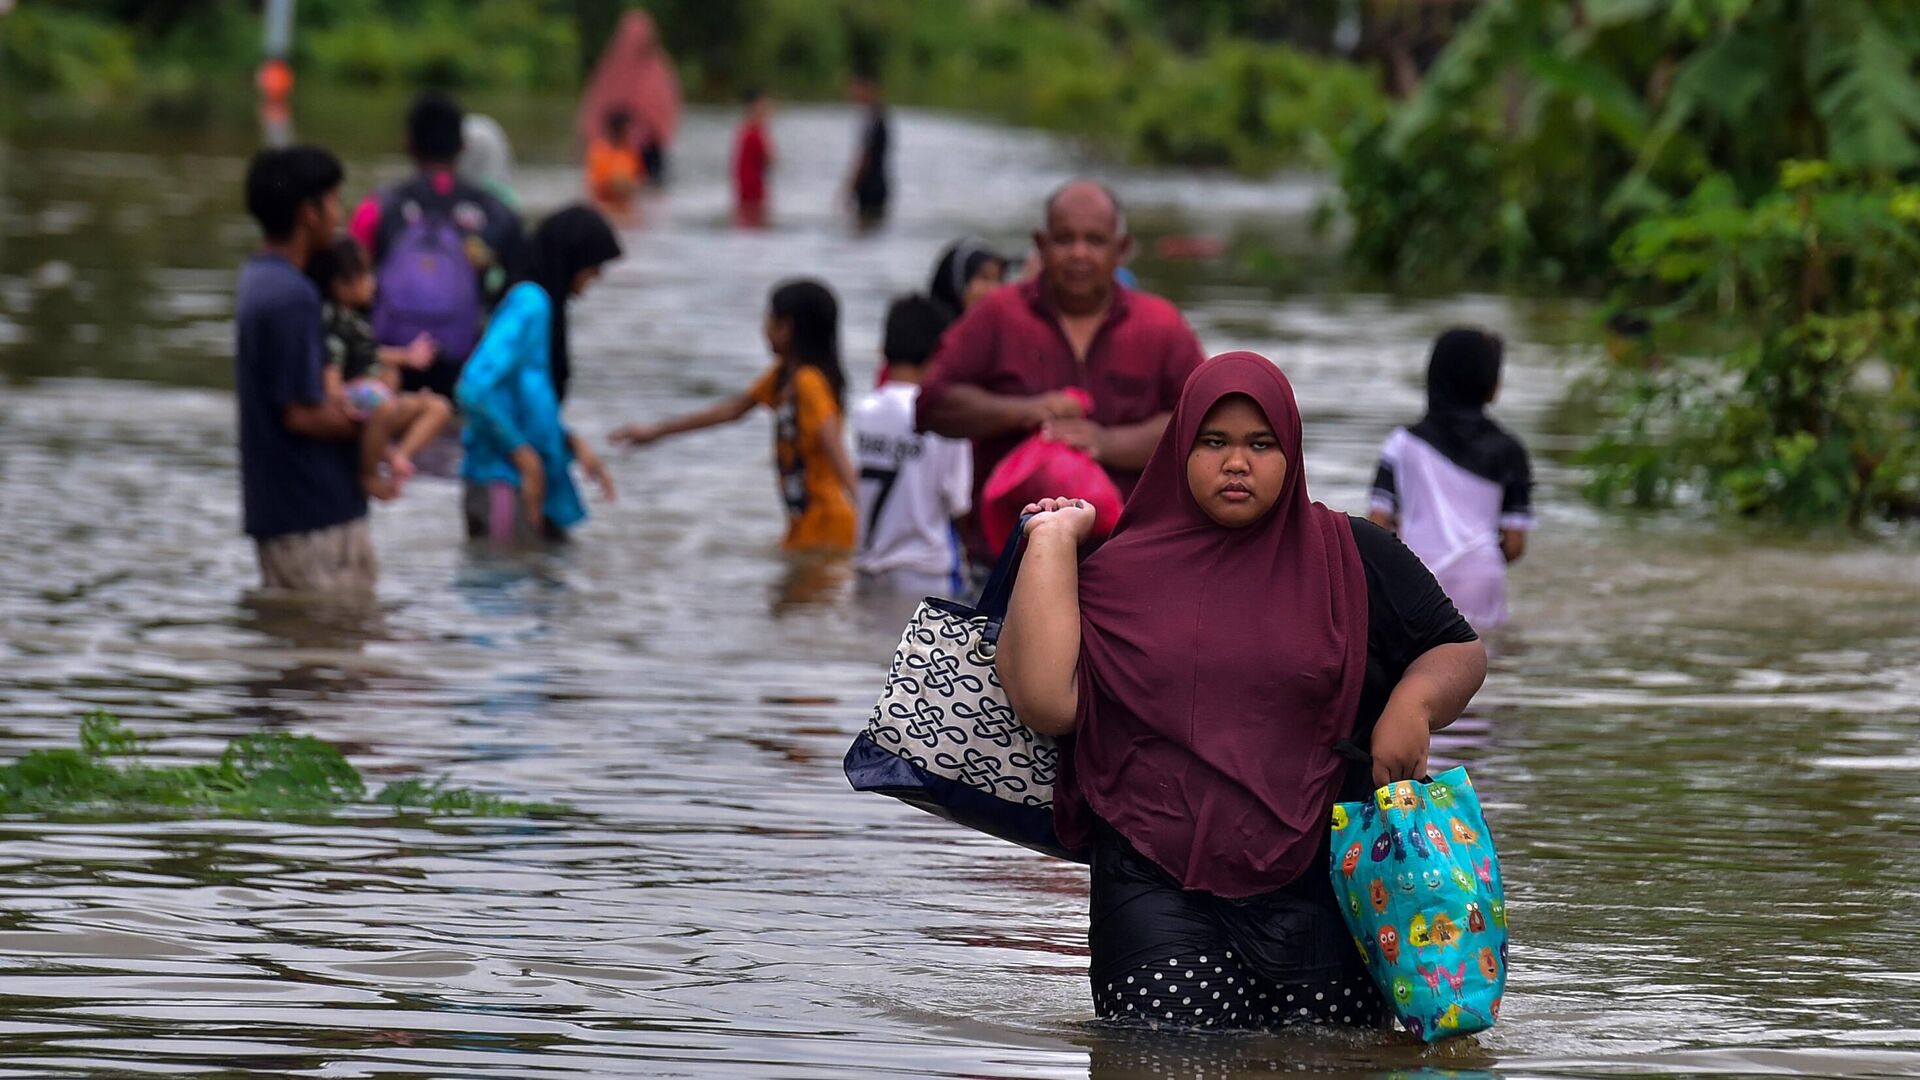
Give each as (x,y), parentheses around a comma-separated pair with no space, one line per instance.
(942,736)
(1040,468)
(1419,886)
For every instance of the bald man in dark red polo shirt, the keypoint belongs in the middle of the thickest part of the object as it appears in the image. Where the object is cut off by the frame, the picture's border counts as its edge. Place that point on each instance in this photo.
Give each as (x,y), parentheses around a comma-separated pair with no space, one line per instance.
(998,375)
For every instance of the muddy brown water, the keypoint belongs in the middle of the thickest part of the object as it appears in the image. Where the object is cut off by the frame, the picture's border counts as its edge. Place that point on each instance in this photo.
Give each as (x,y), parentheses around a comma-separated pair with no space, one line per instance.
(1698,744)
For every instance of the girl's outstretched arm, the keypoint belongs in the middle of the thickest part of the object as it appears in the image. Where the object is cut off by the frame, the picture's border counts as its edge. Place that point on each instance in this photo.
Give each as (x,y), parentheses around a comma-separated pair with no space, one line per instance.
(724,411)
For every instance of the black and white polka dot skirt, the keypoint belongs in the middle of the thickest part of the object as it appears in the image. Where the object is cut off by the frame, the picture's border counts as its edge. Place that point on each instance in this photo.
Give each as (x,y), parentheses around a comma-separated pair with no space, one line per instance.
(1168,955)
(1215,990)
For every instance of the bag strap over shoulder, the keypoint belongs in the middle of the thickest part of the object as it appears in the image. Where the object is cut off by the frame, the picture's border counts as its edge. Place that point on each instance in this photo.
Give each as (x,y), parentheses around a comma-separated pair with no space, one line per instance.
(999,588)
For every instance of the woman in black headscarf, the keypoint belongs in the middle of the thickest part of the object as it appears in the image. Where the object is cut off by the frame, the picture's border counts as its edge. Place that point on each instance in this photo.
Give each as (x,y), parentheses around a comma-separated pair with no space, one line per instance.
(967,270)
(517,469)
(1457,486)
(571,241)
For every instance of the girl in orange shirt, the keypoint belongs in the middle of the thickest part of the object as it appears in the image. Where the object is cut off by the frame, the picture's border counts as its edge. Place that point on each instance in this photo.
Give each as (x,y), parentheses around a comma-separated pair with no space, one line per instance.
(806,390)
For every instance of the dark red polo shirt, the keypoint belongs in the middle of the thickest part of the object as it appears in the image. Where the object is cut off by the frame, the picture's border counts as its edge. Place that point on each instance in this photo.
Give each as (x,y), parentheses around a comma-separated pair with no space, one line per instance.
(1011,343)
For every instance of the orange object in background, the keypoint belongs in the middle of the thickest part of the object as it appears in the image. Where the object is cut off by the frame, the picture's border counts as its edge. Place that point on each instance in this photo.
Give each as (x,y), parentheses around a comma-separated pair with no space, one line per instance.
(275,80)
(613,172)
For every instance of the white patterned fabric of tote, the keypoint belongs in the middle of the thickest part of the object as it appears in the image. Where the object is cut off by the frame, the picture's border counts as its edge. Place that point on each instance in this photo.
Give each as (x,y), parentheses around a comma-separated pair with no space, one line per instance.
(942,736)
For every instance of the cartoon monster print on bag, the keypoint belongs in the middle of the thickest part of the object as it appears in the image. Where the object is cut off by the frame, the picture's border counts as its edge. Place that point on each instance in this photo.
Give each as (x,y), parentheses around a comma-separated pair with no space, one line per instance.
(1433,927)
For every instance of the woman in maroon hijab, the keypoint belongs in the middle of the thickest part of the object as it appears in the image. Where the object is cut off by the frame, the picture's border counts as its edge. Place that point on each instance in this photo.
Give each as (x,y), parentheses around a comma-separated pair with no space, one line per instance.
(1206,665)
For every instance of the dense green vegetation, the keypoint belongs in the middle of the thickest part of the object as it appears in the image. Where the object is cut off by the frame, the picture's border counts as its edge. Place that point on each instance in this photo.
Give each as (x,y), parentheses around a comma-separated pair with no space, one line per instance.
(1160,82)
(1546,128)
(260,775)
(104,49)
(1810,416)
(1735,166)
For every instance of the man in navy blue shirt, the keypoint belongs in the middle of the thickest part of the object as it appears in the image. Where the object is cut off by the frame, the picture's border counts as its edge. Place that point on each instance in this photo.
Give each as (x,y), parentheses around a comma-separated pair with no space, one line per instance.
(299,449)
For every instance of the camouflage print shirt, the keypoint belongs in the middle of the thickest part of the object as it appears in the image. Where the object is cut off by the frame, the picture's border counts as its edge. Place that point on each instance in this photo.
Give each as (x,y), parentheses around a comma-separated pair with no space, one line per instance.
(350,343)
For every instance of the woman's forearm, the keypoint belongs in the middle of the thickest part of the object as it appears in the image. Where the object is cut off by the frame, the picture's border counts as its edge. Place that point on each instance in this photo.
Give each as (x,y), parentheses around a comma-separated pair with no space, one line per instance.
(1039,653)
(1130,445)
(1438,686)
(964,411)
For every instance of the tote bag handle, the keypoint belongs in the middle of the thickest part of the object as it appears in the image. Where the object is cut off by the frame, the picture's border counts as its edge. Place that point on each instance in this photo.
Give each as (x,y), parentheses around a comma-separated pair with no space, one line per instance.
(1348,749)
(999,589)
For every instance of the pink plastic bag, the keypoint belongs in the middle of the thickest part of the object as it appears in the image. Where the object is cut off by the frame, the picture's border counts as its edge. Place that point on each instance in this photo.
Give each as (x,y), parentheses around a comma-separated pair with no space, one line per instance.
(1038,469)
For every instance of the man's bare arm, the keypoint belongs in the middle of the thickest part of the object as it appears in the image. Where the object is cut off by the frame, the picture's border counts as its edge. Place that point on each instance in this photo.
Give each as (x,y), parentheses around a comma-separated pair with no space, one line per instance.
(320,420)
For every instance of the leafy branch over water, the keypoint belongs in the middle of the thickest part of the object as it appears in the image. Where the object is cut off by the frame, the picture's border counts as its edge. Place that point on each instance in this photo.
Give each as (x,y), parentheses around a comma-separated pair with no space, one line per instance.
(259,775)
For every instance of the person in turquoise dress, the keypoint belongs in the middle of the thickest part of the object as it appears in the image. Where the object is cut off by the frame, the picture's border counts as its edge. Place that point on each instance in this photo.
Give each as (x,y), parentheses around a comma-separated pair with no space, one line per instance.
(518,467)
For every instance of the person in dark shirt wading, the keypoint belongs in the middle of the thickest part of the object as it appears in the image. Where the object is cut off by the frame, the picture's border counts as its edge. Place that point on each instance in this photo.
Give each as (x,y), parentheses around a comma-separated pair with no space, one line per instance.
(868,188)
(299,447)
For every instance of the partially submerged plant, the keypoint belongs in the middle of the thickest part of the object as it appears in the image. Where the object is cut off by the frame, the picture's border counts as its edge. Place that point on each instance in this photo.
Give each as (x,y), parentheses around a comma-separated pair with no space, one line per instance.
(259,775)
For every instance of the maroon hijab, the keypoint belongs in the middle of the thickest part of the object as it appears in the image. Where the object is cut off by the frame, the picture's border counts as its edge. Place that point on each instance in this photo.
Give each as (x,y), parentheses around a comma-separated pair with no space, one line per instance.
(1218,666)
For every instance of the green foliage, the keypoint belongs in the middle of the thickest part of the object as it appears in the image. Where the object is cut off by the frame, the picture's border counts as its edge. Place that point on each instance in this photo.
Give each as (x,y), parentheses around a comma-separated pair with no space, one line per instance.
(1732,164)
(71,53)
(95,48)
(263,774)
(436,797)
(1559,125)
(1812,420)
(1248,106)
(1160,82)
(1099,70)
(449,43)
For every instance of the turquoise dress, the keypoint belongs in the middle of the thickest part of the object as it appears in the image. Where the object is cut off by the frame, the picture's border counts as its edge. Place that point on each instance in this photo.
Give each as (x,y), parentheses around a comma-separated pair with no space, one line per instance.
(506,392)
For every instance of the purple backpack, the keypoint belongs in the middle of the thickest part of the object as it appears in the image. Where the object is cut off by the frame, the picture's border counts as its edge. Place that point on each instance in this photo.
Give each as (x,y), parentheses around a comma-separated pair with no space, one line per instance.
(428,285)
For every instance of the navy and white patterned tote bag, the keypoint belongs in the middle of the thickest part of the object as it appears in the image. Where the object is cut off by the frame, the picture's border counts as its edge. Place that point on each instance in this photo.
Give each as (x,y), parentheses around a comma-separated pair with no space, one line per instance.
(942,736)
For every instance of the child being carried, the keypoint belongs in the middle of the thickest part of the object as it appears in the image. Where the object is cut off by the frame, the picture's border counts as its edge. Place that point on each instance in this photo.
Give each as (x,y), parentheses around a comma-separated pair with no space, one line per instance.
(365,375)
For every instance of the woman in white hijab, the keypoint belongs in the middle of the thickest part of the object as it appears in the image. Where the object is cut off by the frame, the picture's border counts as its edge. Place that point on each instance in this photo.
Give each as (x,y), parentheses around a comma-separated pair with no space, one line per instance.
(486,158)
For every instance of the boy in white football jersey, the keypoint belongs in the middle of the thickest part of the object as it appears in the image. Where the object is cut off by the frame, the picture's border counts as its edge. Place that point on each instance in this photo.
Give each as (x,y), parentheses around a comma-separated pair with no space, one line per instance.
(912,485)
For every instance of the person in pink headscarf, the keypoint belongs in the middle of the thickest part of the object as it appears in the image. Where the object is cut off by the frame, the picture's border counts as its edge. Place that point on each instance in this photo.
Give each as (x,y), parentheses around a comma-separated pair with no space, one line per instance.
(635,74)
(1213,671)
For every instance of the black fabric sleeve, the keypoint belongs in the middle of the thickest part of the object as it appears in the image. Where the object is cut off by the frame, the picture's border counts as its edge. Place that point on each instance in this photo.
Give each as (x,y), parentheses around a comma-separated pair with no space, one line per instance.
(1516,494)
(1385,495)
(1408,612)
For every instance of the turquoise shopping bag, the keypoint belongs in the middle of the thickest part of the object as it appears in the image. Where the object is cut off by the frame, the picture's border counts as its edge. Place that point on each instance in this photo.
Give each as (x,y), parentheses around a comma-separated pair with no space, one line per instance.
(1419,886)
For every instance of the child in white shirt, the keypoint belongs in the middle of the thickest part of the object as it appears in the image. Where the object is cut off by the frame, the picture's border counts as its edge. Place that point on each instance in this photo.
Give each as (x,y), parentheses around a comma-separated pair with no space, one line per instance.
(912,485)
(1457,486)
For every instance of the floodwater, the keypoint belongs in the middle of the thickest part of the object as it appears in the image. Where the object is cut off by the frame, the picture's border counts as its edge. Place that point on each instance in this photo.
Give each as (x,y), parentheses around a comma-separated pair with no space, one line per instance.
(1698,744)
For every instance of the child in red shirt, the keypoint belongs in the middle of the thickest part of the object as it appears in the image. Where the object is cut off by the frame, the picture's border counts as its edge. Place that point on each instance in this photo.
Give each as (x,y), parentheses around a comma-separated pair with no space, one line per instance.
(752,157)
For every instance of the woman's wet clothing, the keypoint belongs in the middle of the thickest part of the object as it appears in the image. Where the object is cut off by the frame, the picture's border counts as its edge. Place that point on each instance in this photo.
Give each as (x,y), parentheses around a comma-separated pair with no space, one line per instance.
(1187,957)
(507,393)
(1177,956)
